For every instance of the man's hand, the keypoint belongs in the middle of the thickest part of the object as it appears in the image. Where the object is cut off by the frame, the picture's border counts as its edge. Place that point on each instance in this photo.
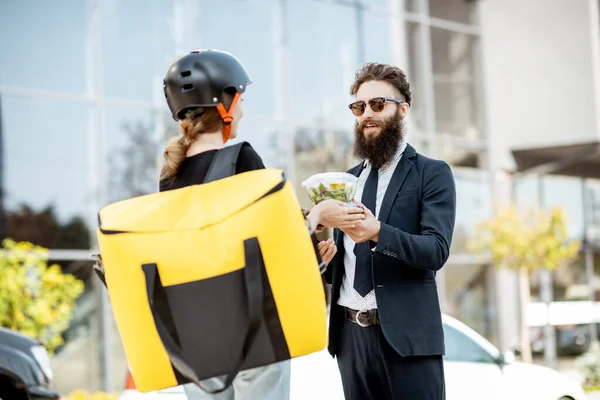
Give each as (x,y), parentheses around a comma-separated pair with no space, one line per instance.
(336,214)
(365,230)
(327,250)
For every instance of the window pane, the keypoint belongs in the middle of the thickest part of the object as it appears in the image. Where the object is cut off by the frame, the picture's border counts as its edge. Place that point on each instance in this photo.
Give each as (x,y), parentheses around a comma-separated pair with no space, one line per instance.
(415,77)
(421,145)
(376,35)
(135,53)
(266,137)
(457,155)
(594,212)
(454,10)
(43,45)
(559,191)
(527,191)
(411,5)
(567,193)
(244,28)
(134,143)
(461,348)
(323,60)
(469,293)
(320,149)
(473,205)
(456,83)
(376,4)
(178,29)
(46,171)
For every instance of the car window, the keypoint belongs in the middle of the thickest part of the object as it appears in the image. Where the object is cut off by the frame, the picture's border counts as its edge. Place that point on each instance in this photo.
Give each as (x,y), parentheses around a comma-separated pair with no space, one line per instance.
(459,347)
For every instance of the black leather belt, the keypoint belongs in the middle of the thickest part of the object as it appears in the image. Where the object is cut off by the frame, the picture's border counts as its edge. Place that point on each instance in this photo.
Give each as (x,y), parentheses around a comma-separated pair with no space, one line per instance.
(363,318)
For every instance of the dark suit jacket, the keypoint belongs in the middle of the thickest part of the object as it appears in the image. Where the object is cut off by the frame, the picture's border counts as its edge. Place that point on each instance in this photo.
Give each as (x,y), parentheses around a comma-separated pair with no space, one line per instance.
(417,221)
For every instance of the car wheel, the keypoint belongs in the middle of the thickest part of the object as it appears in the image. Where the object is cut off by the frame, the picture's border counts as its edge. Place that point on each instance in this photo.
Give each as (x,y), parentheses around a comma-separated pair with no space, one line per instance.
(9,389)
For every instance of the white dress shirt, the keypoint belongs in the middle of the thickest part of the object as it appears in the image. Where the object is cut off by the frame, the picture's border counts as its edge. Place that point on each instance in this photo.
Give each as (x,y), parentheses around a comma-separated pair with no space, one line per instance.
(349,297)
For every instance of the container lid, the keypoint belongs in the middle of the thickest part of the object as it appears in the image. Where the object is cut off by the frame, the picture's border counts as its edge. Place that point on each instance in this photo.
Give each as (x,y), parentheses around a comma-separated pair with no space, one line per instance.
(330,177)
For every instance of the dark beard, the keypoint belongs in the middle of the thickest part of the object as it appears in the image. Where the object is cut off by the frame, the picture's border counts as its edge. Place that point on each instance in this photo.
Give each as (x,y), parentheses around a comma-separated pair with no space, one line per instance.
(380,149)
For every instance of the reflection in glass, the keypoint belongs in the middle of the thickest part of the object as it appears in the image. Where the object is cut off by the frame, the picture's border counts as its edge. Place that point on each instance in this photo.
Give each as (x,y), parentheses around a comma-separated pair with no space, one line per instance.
(377,34)
(2,168)
(135,142)
(593,214)
(454,10)
(469,296)
(268,139)
(415,76)
(323,61)
(473,205)
(245,28)
(46,172)
(321,149)
(43,45)
(456,155)
(417,140)
(566,192)
(135,53)
(456,82)
(411,5)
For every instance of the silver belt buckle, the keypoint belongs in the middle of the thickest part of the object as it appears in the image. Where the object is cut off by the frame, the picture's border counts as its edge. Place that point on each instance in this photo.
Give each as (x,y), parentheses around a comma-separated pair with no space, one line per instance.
(358,314)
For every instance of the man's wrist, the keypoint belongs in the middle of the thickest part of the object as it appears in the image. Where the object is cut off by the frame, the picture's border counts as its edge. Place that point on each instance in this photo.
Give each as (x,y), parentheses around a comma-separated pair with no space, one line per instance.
(375,237)
(314,218)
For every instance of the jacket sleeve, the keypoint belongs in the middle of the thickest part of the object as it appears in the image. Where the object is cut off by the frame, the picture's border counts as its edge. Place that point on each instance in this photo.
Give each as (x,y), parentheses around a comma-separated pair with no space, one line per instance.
(429,249)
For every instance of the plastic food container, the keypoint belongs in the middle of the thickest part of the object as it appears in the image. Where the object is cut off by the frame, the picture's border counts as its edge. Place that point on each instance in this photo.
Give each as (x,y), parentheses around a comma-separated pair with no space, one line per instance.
(331,185)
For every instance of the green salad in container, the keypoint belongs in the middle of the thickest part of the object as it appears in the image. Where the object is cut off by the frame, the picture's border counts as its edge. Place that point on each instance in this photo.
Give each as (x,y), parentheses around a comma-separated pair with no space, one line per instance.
(331,185)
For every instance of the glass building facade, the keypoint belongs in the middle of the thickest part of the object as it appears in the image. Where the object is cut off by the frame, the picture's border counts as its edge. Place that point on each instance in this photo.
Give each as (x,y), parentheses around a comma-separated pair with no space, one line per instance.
(83,121)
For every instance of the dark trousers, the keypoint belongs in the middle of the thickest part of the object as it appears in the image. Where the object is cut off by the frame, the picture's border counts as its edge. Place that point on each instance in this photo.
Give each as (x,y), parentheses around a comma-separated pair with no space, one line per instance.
(372,370)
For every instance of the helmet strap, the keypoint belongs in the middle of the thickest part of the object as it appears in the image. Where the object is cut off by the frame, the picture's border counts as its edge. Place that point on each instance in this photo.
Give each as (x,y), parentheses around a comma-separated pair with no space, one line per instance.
(227,116)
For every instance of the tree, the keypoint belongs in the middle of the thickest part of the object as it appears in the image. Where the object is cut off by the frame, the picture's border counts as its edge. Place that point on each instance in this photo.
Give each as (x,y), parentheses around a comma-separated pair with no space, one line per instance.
(133,168)
(525,240)
(35,299)
(44,228)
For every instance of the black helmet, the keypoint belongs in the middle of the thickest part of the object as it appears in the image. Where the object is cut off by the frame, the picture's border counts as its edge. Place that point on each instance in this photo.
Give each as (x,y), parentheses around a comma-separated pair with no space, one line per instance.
(198,79)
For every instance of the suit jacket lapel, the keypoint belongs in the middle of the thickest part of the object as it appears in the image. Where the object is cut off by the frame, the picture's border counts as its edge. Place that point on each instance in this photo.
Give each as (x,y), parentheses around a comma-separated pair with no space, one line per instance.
(357,170)
(402,170)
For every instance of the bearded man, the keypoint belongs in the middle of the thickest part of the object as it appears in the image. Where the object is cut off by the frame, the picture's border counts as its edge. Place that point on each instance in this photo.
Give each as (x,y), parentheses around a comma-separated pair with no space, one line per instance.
(385,322)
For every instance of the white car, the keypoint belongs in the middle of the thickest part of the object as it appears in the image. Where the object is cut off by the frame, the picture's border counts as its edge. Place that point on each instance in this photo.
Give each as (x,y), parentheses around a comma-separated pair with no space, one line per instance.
(474,370)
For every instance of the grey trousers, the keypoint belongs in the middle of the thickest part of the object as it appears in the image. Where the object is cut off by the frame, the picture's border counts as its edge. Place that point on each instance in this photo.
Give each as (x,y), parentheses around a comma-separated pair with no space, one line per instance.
(271,382)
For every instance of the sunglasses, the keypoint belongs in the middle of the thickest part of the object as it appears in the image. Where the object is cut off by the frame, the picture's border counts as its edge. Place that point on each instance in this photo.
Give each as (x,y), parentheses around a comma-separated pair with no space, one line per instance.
(377,105)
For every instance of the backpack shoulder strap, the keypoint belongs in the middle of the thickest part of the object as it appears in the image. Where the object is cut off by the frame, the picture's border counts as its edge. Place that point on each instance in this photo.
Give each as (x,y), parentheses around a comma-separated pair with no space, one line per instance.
(224,163)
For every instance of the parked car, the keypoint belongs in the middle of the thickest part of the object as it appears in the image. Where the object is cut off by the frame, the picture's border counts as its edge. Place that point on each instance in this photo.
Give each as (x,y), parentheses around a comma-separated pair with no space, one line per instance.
(25,371)
(571,340)
(474,370)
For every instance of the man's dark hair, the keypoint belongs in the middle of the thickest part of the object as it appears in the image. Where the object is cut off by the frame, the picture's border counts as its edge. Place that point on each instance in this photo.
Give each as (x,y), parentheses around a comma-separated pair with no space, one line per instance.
(383,72)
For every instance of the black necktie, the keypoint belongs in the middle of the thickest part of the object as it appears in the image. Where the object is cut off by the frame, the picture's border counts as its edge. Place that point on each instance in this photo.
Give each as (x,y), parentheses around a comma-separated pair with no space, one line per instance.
(363,273)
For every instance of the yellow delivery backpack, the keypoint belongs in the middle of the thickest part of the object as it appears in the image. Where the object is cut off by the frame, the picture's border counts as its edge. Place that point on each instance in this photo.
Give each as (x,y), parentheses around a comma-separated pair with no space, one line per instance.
(212,279)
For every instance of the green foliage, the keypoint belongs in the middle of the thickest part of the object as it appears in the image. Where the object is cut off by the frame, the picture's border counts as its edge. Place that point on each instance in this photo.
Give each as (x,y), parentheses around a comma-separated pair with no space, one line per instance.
(518,238)
(36,299)
(589,364)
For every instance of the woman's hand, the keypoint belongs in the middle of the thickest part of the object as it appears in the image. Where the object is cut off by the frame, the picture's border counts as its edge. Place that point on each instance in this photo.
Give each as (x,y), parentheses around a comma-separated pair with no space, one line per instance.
(327,250)
(336,214)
